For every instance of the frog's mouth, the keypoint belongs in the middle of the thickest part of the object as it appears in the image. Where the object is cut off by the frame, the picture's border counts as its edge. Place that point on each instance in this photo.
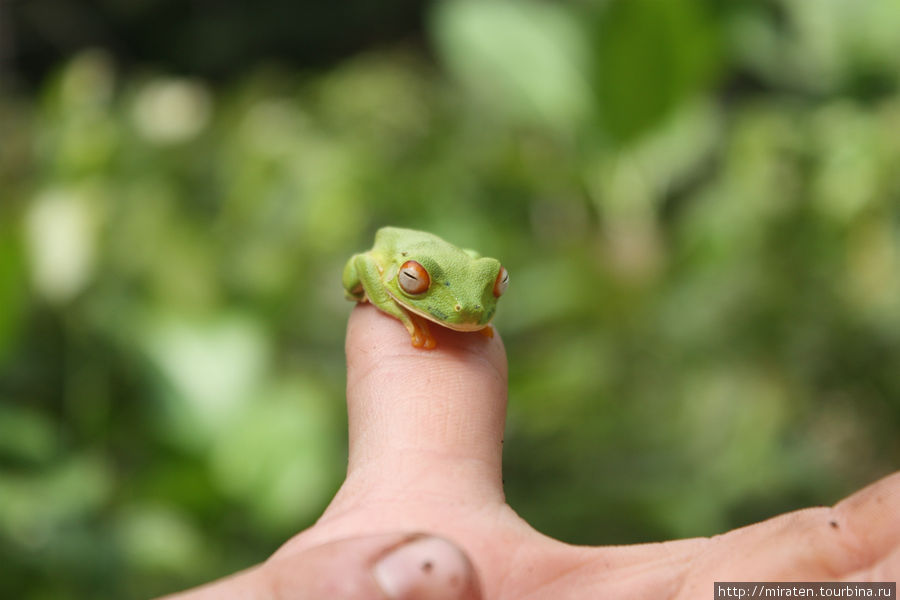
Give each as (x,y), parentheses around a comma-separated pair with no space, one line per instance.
(442,323)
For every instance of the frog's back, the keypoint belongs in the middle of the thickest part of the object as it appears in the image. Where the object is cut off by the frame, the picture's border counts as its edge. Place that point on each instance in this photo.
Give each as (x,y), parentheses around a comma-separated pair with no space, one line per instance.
(391,238)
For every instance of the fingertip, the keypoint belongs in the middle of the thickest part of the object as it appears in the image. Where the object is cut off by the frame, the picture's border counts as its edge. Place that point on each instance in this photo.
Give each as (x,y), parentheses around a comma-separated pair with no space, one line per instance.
(378,345)
(372,332)
(426,568)
(377,567)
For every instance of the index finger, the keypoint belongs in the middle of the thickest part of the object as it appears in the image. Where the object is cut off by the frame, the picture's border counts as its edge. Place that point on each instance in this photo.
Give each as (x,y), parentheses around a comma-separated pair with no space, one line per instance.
(411,410)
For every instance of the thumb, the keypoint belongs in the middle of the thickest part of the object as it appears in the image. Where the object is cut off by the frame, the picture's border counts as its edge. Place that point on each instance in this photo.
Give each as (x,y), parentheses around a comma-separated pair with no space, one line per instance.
(379,567)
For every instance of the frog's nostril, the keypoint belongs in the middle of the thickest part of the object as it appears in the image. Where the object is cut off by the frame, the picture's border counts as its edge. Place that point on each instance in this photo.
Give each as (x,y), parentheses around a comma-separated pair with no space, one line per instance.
(457,308)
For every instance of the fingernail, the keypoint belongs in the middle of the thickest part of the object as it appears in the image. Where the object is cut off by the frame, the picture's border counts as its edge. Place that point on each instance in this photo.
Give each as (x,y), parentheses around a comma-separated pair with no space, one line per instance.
(427,568)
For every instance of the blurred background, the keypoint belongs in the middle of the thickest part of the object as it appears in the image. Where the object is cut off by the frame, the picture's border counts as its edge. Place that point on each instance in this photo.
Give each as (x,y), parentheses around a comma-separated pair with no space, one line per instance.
(698,202)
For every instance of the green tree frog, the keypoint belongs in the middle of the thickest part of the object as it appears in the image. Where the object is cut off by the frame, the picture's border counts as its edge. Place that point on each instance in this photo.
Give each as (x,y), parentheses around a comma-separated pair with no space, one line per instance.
(417,277)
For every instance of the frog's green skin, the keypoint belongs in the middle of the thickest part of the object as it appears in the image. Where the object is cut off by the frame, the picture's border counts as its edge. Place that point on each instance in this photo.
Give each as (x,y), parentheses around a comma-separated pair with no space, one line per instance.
(461,291)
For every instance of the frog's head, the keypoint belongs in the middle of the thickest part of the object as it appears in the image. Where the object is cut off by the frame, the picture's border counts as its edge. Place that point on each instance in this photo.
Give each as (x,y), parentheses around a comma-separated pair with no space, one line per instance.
(458,291)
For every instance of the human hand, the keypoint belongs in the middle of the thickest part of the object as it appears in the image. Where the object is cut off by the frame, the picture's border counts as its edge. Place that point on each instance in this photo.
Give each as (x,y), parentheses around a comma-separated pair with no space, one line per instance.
(426,431)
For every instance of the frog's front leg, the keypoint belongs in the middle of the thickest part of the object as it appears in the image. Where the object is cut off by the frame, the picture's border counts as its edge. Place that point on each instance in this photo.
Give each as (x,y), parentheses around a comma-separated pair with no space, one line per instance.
(362,281)
(353,287)
(420,334)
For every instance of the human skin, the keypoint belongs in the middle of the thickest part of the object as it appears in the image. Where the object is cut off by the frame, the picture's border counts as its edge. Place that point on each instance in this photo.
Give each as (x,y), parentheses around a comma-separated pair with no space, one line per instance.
(426,431)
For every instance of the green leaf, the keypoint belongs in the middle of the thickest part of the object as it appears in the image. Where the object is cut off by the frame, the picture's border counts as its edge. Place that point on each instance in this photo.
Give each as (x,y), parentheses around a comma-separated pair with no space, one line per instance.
(526,59)
(650,56)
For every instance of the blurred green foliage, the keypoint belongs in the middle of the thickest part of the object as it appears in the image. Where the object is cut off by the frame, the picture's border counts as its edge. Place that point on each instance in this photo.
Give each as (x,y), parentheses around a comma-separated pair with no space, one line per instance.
(698,203)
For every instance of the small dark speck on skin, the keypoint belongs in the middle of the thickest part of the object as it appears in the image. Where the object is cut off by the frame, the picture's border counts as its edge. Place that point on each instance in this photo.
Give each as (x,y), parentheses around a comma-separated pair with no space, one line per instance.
(834,524)
(427,566)
(447,283)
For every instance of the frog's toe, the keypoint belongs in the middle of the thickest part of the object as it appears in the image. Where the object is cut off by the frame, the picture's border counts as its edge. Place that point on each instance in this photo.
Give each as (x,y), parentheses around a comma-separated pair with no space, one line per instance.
(424,340)
(430,343)
(421,335)
(418,341)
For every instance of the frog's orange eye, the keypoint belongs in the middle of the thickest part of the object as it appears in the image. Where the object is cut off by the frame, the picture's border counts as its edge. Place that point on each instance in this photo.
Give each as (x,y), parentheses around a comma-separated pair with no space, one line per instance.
(501,282)
(413,278)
